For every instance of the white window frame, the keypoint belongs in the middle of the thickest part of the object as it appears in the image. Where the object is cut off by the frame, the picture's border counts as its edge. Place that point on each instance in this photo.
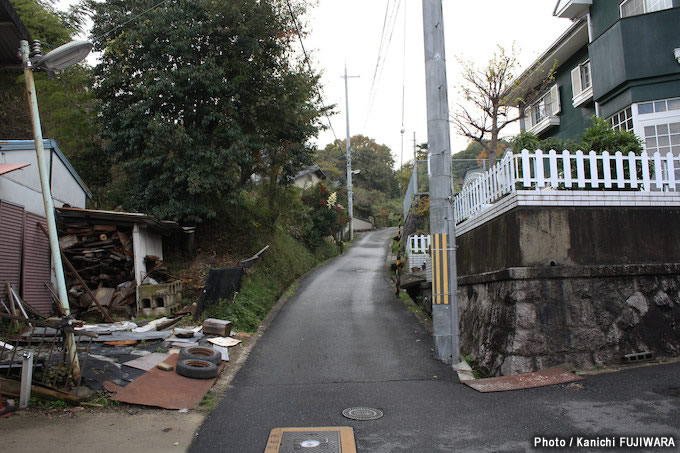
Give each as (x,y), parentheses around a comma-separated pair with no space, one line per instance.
(628,115)
(640,121)
(549,102)
(667,4)
(581,95)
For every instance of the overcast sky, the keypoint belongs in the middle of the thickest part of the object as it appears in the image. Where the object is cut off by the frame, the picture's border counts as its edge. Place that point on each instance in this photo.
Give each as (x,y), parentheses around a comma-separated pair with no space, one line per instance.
(349,32)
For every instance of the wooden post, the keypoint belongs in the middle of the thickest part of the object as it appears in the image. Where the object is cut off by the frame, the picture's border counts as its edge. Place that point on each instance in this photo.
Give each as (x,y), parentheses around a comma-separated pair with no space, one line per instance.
(80,280)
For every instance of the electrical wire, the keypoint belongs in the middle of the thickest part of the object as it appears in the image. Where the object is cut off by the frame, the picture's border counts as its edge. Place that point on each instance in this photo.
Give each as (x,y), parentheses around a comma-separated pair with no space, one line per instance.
(380,46)
(309,66)
(131,19)
(382,57)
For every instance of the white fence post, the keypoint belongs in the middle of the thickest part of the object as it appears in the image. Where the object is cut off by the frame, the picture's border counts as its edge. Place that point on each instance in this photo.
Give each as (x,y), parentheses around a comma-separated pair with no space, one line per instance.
(632,169)
(658,171)
(538,162)
(671,171)
(526,168)
(606,169)
(580,169)
(566,166)
(594,177)
(646,181)
(554,176)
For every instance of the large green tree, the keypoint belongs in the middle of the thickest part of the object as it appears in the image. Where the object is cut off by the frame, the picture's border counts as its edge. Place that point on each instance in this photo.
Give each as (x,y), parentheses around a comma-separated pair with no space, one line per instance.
(377,181)
(199,95)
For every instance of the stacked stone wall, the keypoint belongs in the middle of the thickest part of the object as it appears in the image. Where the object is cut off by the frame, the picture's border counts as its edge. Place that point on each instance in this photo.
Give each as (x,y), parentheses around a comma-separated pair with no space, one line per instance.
(526,319)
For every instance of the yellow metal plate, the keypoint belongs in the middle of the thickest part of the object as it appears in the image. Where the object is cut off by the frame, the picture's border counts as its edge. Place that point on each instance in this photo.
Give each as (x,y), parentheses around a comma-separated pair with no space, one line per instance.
(347,444)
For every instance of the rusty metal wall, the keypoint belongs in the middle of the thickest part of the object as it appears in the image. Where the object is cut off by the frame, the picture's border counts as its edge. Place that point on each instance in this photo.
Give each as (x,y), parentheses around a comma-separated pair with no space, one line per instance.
(11,239)
(36,265)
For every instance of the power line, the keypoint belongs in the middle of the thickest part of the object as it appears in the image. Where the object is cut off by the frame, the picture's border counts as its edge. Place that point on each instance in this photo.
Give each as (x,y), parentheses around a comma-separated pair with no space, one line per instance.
(380,46)
(309,66)
(131,19)
(382,57)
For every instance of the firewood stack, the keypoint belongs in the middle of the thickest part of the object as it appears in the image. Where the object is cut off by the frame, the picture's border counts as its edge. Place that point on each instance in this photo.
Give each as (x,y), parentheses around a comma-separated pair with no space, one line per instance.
(103,257)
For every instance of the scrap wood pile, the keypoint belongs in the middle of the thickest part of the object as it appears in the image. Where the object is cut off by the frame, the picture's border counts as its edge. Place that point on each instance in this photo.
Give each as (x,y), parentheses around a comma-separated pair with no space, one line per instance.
(102,257)
(157,273)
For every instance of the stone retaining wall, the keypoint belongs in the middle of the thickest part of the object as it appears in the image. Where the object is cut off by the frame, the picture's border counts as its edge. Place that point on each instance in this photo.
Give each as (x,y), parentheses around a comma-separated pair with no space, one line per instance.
(525,319)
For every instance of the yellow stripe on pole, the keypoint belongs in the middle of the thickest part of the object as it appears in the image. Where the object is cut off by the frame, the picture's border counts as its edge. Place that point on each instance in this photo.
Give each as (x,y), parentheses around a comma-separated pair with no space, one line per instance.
(445,270)
(440,269)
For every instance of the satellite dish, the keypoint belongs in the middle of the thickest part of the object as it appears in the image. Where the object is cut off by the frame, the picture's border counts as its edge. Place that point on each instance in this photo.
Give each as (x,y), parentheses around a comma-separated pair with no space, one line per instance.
(64,56)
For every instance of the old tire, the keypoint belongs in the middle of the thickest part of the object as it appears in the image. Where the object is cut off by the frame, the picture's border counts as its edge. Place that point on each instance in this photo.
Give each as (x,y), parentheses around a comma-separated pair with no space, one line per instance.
(201,353)
(196,369)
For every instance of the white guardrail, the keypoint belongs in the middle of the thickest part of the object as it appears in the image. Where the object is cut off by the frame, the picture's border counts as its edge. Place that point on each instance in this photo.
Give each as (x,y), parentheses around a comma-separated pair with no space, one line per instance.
(566,171)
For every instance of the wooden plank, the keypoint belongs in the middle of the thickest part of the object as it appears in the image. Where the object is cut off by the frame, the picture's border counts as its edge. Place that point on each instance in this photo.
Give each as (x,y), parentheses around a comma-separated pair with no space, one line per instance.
(212,326)
(73,270)
(11,387)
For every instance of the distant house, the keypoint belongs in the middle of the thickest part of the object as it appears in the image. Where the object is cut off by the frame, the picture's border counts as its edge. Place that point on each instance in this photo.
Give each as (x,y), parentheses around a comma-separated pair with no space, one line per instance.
(620,60)
(309,176)
(24,249)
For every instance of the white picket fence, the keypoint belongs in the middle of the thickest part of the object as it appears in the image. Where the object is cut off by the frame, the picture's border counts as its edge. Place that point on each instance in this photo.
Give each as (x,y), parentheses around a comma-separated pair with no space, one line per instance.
(417,249)
(566,171)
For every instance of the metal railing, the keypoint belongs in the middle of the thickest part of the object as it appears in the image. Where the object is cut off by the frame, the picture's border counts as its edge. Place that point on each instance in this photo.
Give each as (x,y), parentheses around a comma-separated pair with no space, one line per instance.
(418,185)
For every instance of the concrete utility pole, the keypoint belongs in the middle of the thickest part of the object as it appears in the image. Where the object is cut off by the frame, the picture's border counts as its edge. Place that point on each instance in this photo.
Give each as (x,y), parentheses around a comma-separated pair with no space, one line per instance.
(442,224)
(48,202)
(348,150)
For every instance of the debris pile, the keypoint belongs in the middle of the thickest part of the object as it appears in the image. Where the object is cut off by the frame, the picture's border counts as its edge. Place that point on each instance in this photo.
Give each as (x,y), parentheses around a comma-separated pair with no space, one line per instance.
(101,259)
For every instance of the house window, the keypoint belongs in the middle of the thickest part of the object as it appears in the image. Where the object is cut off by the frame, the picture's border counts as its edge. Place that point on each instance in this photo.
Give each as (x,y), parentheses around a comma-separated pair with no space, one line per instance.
(542,113)
(663,138)
(637,7)
(581,84)
(665,105)
(622,121)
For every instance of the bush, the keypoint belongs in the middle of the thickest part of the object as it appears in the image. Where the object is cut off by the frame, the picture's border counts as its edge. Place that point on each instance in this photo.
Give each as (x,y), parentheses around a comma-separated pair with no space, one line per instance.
(599,137)
(328,218)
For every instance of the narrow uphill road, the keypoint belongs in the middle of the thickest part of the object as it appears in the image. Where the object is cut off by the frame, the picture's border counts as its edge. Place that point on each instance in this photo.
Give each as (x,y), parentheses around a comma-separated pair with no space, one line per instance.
(344,340)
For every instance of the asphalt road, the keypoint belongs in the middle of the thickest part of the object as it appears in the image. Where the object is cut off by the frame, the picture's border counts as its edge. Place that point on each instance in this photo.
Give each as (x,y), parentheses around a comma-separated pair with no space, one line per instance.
(344,340)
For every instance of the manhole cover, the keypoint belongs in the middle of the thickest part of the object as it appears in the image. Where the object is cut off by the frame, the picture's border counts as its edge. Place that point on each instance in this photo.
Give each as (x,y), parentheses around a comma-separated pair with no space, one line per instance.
(362,413)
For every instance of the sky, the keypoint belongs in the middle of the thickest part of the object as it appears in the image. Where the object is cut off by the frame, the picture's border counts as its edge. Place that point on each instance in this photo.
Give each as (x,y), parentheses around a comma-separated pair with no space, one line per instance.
(388,96)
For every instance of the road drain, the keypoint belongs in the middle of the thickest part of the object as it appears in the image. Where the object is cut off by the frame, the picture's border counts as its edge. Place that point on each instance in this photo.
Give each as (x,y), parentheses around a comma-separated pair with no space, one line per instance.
(362,413)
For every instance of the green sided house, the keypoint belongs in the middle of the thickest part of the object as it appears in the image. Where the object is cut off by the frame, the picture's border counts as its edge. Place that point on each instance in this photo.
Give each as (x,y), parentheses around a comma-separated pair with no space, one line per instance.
(619,60)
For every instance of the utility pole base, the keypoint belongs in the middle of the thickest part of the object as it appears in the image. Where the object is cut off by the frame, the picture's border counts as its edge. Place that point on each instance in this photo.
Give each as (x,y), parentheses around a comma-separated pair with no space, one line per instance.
(441,323)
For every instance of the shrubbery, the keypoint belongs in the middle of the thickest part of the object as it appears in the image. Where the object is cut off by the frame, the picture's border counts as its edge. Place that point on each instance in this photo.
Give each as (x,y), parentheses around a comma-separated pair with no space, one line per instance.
(599,137)
(328,218)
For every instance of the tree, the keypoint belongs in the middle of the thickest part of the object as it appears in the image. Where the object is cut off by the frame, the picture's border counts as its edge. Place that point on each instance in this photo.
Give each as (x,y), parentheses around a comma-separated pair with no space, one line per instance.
(197,96)
(487,110)
(377,181)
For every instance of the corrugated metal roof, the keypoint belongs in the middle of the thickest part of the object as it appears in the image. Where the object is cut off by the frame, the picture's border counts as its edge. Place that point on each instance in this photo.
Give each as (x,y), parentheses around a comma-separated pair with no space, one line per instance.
(23,145)
(6,168)
(12,30)
(93,215)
